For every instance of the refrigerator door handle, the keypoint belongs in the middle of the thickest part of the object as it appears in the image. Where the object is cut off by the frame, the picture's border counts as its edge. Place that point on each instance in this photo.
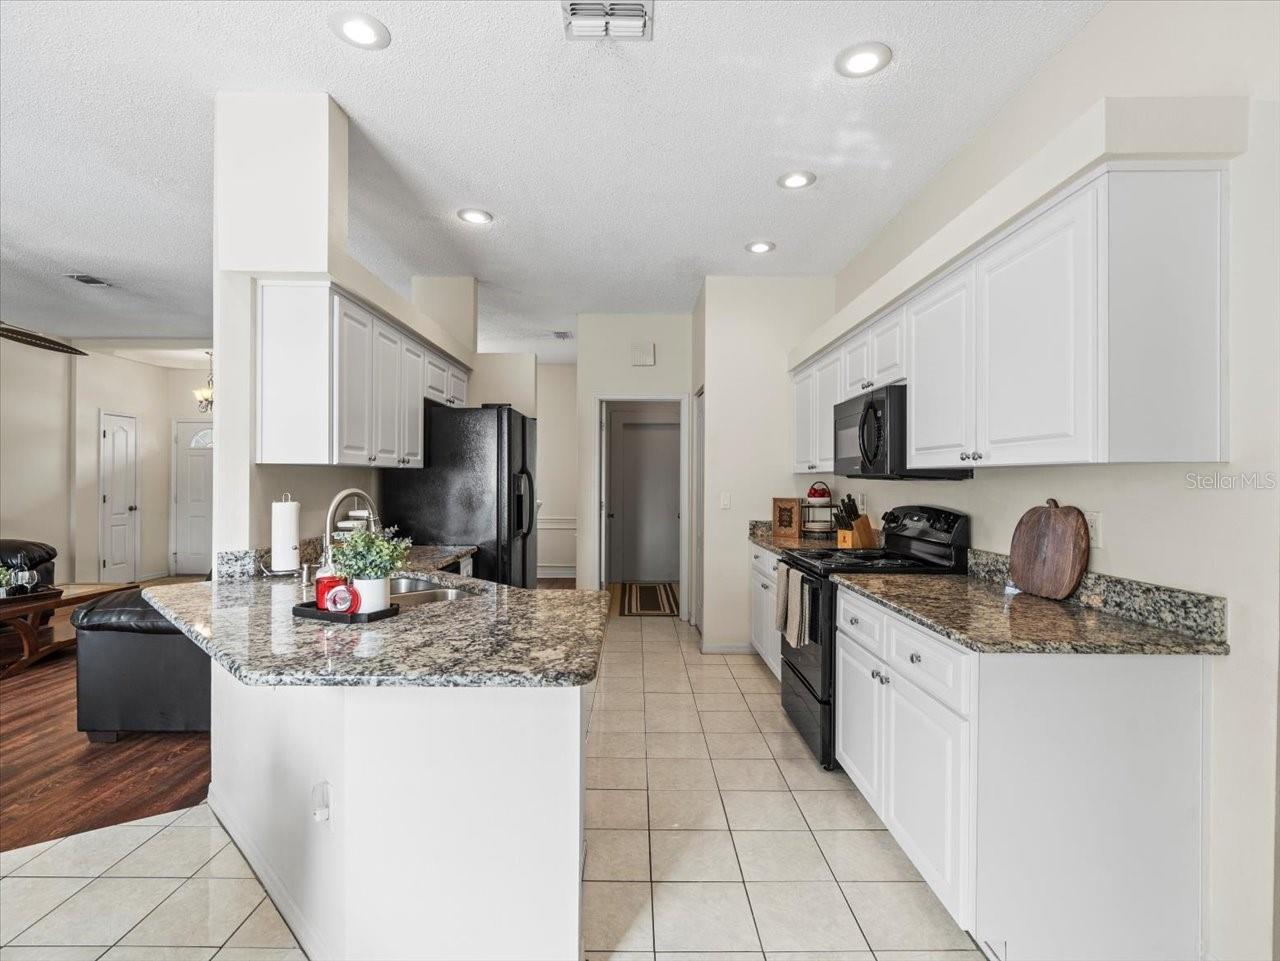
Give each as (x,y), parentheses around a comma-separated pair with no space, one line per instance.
(529,507)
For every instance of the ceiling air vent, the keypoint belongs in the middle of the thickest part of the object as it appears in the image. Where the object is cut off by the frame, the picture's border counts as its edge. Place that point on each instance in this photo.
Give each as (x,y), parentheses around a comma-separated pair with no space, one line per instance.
(87,279)
(624,20)
(562,334)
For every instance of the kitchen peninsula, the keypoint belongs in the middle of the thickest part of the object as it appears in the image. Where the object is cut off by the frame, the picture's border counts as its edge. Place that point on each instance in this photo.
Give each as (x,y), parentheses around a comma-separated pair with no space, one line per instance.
(410,788)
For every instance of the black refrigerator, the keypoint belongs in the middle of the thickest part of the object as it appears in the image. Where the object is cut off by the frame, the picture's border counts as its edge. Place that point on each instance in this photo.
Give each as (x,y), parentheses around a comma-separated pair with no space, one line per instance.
(476,486)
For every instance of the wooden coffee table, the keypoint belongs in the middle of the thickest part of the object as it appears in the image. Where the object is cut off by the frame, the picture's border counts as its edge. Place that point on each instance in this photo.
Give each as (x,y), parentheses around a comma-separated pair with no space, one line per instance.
(28,613)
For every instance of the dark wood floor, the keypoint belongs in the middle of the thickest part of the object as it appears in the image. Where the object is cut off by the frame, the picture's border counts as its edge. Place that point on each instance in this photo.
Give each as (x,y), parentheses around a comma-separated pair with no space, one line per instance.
(54,782)
(556,583)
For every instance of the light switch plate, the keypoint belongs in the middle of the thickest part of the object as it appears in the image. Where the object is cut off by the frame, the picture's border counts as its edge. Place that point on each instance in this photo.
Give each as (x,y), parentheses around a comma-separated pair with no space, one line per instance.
(726,502)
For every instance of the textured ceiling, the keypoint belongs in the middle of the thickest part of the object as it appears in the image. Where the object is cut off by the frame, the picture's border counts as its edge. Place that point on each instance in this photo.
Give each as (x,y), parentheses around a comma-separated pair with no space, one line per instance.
(619,173)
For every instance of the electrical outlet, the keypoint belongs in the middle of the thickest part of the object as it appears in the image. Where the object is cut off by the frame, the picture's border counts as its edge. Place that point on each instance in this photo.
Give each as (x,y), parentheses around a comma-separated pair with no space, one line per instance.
(1094,521)
(861,498)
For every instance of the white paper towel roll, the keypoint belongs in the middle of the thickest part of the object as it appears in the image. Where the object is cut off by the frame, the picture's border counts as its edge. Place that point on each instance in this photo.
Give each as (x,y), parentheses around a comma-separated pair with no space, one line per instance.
(285,516)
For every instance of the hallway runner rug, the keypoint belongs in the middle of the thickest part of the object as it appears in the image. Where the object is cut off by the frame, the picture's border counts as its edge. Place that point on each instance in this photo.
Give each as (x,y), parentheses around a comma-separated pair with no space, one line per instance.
(649,600)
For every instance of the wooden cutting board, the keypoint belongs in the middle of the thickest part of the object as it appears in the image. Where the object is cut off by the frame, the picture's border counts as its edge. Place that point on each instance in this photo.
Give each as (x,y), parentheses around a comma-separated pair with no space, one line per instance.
(1050,551)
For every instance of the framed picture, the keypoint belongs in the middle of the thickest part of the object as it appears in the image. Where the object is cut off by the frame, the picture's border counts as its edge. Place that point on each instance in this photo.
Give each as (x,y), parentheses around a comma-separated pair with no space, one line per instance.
(786,517)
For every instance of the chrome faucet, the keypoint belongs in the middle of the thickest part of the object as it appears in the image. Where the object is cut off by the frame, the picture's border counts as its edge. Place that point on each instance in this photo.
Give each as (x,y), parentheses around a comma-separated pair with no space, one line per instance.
(375,524)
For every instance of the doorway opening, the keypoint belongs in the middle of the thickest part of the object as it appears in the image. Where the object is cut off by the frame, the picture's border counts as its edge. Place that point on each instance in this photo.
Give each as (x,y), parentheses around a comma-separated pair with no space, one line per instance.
(643,490)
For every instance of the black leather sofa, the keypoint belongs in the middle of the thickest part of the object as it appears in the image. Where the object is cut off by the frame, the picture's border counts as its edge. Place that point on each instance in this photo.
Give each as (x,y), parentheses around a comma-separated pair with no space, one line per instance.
(28,556)
(135,671)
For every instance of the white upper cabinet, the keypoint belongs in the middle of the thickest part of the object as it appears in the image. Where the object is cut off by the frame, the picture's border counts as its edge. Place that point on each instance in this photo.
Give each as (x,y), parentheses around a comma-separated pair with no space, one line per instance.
(388,403)
(437,379)
(1037,340)
(814,395)
(412,388)
(337,384)
(457,393)
(354,330)
(939,330)
(803,429)
(1091,330)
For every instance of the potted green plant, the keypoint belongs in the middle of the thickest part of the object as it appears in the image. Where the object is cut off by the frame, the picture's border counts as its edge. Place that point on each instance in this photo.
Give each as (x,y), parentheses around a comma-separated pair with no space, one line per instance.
(6,581)
(368,559)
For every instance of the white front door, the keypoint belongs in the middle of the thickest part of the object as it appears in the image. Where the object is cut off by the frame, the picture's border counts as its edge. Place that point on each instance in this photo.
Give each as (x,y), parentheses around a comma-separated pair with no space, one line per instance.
(193,497)
(118,477)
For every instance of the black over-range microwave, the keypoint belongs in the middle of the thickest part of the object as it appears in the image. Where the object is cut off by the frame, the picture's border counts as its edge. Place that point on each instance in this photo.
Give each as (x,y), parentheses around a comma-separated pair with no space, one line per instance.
(871,439)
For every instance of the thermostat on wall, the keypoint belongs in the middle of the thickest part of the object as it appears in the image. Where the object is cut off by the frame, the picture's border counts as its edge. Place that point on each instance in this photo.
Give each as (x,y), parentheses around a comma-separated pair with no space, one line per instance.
(642,353)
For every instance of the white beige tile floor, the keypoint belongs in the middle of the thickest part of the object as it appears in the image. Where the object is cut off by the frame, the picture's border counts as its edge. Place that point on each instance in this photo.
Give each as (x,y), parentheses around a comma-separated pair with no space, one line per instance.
(167,888)
(712,835)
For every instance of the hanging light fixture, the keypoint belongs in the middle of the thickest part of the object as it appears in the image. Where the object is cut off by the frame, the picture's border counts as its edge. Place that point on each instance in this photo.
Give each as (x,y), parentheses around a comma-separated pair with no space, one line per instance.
(204,395)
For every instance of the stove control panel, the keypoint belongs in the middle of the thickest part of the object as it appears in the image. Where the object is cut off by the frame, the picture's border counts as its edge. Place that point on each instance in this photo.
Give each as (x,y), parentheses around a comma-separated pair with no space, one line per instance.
(928,523)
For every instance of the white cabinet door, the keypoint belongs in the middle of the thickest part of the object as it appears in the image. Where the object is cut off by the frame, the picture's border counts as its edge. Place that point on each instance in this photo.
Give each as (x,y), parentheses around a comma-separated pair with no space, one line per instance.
(353,332)
(437,374)
(770,647)
(888,350)
(387,401)
(860,719)
(926,786)
(457,387)
(1036,347)
(755,608)
(940,417)
(412,391)
(827,395)
(803,397)
(857,366)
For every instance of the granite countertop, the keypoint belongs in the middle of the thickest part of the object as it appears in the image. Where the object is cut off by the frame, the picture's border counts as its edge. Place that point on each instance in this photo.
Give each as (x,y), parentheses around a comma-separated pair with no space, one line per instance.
(500,637)
(766,540)
(979,615)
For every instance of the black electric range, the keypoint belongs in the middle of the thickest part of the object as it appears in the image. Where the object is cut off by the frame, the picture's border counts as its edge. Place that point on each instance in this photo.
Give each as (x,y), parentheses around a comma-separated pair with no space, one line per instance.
(917,540)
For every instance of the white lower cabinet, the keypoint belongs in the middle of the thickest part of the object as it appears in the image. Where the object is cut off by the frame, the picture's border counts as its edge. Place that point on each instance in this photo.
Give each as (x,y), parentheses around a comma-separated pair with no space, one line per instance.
(1054,803)
(762,605)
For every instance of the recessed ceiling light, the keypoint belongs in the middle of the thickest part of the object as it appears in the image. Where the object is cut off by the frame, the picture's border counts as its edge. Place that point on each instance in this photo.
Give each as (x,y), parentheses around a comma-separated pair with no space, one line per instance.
(863,59)
(360,29)
(797,179)
(759,247)
(474,215)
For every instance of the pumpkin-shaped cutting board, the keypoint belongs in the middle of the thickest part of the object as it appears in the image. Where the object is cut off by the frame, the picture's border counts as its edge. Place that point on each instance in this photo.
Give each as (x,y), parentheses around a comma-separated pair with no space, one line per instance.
(1050,551)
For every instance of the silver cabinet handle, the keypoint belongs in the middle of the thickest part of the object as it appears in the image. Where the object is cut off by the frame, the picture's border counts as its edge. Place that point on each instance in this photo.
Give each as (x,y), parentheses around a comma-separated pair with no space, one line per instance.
(813,467)
(914,658)
(764,587)
(868,383)
(372,458)
(755,557)
(774,567)
(875,672)
(853,620)
(977,455)
(964,455)
(884,678)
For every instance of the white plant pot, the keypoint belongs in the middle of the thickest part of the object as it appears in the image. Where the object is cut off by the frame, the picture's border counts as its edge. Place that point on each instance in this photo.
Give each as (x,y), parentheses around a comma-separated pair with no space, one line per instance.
(375,594)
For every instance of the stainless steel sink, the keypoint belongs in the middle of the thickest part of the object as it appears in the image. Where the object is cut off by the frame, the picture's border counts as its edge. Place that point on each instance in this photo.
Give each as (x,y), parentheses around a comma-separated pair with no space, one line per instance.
(414,591)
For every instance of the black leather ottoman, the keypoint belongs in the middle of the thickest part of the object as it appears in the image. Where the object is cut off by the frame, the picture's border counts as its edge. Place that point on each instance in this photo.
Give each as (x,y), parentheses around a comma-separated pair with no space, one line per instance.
(135,671)
(28,556)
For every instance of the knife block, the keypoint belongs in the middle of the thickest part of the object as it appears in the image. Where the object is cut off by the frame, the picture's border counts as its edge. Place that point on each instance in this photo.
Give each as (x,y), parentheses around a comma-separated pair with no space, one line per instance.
(863,535)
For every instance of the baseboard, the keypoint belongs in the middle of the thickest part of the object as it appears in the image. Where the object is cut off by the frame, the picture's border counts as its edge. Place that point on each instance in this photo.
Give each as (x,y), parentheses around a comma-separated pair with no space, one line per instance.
(307,938)
(727,648)
(152,577)
(557,570)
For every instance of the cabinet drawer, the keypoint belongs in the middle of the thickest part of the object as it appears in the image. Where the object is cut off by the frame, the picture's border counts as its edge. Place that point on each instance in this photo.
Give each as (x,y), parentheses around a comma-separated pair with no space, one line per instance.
(930,663)
(862,621)
(764,562)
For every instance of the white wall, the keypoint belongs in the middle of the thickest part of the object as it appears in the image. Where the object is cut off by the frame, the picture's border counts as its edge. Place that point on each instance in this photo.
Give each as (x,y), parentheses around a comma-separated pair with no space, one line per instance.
(35,448)
(604,370)
(1154,526)
(49,449)
(749,323)
(451,302)
(505,379)
(557,469)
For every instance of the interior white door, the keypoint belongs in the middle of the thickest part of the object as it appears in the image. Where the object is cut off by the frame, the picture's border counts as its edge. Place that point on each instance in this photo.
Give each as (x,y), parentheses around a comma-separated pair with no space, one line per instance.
(826,396)
(387,400)
(412,389)
(644,451)
(118,472)
(803,397)
(940,404)
(437,373)
(1037,296)
(193,496)
(926,765)
(860,719)
(352,384)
